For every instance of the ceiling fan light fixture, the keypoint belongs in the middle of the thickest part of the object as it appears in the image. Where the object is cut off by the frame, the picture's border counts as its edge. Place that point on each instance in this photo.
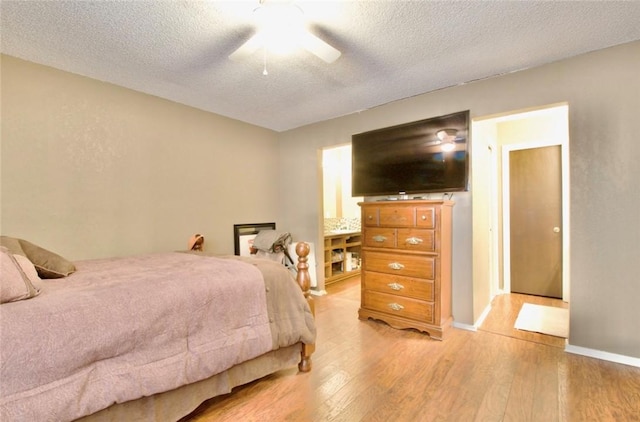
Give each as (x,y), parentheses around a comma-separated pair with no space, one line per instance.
(447,135)
(274,14)
(448,147)
(447,138)
(279,41)
(281,28)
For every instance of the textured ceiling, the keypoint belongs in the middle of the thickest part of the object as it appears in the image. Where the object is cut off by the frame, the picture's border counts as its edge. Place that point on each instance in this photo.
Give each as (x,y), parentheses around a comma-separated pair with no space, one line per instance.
(179,50)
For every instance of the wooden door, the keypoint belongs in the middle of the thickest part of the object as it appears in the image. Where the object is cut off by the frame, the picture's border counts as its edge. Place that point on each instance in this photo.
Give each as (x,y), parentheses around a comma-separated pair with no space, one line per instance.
(535,188)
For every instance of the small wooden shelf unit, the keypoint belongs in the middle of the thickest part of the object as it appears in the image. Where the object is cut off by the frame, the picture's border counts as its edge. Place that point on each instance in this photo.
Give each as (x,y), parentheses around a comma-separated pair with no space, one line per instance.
(341,256)
(406,264)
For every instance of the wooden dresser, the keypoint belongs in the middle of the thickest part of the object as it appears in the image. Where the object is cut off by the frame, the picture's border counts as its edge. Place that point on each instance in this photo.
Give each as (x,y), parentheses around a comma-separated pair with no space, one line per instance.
(406,264)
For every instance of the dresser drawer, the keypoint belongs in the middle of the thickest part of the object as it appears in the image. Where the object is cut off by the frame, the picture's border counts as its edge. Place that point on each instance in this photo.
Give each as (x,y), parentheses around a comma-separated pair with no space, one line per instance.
(416,240)
(426,217)
(397,216)
(402,286)
(399,306)
(380,238)
(370,216)
(400,264)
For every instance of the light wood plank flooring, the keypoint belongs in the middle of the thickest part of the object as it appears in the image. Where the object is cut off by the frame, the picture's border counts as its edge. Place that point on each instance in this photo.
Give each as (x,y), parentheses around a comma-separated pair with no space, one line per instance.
(367,371)
(504,312)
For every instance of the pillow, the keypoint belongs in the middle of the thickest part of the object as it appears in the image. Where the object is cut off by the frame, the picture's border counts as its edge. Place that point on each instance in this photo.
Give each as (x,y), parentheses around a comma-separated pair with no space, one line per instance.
(29,270)
(12,244)
(47,263)
(14,284)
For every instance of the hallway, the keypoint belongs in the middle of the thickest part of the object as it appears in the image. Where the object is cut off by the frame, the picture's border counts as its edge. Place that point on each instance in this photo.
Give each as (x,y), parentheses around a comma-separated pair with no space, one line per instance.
(504,312)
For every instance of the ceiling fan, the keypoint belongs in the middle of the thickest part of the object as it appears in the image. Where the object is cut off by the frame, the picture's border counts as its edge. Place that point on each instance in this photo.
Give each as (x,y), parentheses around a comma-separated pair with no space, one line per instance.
(446,139)
(281,26)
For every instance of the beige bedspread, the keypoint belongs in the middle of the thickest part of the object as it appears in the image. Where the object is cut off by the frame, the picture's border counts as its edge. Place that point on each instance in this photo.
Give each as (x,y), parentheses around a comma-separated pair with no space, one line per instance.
(121,329)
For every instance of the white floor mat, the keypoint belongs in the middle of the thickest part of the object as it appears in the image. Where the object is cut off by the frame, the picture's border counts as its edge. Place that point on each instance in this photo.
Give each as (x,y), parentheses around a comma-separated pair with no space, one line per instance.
(543,319)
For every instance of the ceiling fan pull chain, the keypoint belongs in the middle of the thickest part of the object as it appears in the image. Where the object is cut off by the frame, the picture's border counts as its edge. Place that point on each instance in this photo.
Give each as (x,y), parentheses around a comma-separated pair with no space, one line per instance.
(264,72)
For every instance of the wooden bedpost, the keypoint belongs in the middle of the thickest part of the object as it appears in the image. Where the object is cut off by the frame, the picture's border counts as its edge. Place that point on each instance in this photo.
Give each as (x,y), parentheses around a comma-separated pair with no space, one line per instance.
(304,281)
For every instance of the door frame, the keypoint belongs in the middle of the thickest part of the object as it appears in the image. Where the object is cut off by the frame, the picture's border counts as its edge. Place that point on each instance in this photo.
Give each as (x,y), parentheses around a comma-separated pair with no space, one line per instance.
(506,218)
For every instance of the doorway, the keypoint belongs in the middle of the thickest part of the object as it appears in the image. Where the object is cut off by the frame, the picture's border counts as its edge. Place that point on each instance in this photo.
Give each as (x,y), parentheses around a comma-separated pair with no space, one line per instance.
(494,138)
(340,211)
(337,201)
(544,133)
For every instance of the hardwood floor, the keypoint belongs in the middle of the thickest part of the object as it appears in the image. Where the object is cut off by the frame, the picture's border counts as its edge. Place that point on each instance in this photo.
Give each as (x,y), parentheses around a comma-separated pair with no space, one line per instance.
(504,312)
(367,371)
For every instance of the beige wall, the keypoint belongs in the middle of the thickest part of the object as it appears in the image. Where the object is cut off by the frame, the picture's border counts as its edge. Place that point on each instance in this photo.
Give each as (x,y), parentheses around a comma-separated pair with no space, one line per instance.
(92,170)
(602,90)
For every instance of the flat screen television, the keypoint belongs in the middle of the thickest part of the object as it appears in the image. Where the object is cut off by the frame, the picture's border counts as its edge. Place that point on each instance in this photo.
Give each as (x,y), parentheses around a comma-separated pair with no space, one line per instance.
(426,156)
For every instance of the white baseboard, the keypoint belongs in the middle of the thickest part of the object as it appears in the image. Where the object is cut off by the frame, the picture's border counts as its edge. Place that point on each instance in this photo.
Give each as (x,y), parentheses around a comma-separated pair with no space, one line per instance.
(318,292)
(599,354)
(483,316)
(464,326)
(477,324)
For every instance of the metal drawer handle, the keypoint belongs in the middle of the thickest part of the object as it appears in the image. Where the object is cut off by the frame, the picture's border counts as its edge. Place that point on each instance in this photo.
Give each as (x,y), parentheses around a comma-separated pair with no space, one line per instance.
(395,286)
(396,266)
(379,238)
(414,240)
(396,306)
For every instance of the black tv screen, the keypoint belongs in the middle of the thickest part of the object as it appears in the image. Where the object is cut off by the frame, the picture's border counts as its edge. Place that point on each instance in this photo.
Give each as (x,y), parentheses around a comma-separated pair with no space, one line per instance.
(426,156)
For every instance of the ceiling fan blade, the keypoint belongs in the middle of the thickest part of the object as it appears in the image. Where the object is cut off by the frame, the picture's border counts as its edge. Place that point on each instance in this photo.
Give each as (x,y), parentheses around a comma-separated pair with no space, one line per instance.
(248,48)
(318,47)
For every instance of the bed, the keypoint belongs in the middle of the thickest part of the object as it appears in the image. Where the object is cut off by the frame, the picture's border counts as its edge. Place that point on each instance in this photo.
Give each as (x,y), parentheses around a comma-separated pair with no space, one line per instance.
(147,337)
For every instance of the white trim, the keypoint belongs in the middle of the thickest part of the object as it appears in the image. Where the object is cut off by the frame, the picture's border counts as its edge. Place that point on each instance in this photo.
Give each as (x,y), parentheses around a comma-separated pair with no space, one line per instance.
(477,324)
(483,316)
(318,292)
(599,354)
(494,252)
(465,326)
(506,221)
